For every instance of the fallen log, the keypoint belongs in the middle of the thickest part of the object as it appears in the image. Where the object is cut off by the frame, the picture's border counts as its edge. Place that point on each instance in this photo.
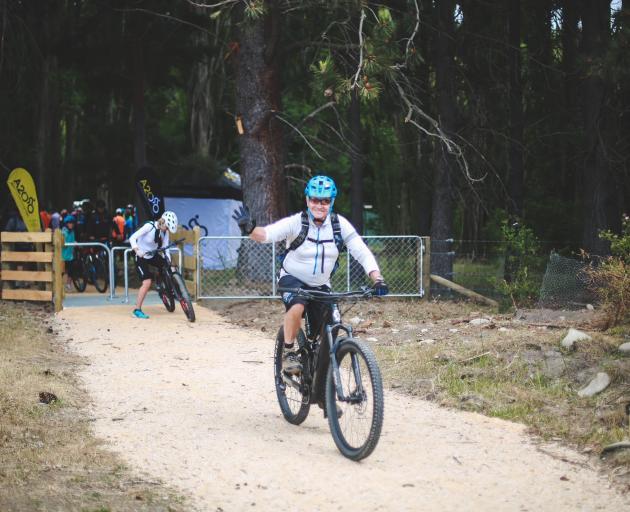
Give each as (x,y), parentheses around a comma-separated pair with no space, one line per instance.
(464,291)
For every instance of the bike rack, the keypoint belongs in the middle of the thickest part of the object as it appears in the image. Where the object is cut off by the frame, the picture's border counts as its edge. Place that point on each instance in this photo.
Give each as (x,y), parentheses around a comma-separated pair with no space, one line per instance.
(126,267)
(109,263)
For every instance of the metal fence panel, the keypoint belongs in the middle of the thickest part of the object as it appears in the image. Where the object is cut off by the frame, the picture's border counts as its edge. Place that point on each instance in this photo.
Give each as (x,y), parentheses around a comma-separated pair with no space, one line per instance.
(249,270)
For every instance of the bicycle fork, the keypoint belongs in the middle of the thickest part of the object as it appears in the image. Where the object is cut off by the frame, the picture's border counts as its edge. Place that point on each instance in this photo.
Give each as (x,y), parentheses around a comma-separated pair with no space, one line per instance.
(357,396)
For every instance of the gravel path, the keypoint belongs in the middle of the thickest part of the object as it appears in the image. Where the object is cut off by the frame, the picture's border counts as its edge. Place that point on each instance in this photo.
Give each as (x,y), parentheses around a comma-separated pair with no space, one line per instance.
(194,405)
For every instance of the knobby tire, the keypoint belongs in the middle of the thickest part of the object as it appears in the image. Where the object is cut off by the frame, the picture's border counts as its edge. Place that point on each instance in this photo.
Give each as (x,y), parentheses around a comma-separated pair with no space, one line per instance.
(184,296)
(357,431)
(294,406)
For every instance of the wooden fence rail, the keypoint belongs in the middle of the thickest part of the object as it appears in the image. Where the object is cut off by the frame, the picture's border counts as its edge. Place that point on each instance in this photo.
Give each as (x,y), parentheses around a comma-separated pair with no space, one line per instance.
(31,260)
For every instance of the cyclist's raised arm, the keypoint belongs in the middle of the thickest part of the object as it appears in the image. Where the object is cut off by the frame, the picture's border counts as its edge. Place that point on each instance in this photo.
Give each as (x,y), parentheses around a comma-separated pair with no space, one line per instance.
(259,234)
(283,229)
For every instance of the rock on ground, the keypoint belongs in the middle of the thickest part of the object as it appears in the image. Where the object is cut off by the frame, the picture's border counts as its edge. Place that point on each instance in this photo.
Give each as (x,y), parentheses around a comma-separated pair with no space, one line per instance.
(597,385)
(574,336)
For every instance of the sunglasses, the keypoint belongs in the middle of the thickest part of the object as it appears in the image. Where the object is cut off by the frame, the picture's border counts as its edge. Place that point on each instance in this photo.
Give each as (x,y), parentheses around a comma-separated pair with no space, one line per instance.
(324,202)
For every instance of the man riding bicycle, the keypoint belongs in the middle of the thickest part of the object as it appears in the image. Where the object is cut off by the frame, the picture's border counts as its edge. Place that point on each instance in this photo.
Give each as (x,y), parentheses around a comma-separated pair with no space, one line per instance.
(314,239)
(144,242)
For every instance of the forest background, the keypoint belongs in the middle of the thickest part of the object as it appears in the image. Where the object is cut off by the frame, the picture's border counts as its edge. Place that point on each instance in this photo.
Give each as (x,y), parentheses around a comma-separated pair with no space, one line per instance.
(441,118)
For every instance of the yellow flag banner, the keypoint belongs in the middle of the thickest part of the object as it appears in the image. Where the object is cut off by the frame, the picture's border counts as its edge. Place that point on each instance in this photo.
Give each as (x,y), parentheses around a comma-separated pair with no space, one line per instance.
(23,191)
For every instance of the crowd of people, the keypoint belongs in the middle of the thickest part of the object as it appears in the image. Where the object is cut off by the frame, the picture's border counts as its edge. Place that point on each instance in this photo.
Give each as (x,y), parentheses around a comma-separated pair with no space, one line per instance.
(93,223)
(82,223)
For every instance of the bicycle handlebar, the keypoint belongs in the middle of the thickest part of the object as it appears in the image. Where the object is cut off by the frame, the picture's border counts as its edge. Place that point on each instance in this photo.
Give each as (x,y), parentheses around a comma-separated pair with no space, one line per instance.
(165,248)
(322,296)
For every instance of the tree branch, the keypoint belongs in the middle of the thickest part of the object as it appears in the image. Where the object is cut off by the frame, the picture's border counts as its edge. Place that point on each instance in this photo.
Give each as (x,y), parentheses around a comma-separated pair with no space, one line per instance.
(277,115)
(355,82)
(212,6)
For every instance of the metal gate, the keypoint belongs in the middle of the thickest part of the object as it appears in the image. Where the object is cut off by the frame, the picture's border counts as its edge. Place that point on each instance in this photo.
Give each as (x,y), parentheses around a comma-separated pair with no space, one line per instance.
(234,267)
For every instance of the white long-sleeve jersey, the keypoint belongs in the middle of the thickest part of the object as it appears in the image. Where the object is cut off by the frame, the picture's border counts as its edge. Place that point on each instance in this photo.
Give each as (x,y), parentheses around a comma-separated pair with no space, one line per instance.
(314,260)
(144,239)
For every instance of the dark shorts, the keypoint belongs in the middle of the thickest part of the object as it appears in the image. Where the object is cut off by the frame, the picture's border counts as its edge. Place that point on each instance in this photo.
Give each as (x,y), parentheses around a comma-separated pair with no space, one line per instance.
(315,310)
(143,266)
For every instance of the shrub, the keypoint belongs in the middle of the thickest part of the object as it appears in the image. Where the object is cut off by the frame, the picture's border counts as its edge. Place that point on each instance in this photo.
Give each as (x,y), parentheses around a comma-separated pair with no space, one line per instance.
(610,280)
(520,284)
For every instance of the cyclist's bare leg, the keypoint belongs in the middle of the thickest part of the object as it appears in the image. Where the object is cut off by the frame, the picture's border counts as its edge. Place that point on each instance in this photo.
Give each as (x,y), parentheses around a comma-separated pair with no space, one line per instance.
(292,323)
(142,292)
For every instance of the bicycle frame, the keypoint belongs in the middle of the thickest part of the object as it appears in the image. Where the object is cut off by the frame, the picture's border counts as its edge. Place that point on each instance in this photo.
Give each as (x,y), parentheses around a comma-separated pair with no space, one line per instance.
(315,377)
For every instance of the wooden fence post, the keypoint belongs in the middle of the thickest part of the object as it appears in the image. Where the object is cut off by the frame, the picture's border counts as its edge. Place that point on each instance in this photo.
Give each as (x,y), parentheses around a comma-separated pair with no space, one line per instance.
(426,268)
(57,270)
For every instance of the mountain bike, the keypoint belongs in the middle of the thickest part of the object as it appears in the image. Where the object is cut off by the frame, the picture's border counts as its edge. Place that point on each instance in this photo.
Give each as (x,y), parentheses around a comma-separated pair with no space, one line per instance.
(339,373)
(170,285)
(90,266)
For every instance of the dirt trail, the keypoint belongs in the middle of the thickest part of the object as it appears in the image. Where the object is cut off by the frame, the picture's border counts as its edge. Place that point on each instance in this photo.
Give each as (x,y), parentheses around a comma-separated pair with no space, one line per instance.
(194,405)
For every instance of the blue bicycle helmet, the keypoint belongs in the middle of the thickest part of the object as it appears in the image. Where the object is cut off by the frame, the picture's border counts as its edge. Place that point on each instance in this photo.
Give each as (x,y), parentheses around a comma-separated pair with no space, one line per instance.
(321,187)
(69,218)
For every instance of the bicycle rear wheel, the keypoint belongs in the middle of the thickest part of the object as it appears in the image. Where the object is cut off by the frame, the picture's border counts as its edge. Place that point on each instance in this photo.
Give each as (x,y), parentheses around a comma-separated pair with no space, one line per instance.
(78,274)
(293,404)
(101,275)
(357,429)
(165,291)
(184,296)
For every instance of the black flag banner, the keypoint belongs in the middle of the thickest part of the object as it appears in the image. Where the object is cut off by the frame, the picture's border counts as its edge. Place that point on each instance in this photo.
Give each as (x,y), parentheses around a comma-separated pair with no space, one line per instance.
(149,188)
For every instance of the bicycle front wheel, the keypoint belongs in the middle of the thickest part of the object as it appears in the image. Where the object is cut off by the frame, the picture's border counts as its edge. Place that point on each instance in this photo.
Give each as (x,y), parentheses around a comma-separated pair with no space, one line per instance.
(184,297)
(356,419)
(290,388)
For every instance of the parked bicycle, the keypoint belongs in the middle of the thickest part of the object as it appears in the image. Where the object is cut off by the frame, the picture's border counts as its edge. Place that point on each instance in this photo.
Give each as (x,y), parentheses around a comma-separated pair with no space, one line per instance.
(339,372)
(90,265)
(171,287)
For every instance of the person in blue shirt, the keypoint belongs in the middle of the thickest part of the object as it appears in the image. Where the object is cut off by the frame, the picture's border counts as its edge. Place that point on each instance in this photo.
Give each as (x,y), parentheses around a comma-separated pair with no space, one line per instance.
(67,253)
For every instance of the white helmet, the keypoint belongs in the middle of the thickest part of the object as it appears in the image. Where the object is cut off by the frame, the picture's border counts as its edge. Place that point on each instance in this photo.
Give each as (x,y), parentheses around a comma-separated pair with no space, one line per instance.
(170,219)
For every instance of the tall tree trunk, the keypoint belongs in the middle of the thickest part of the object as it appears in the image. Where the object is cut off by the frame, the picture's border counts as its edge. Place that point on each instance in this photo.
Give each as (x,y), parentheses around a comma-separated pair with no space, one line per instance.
(442,214)
(207,81)
(67,177)
(515,94)
(570,16)
(139,116)
(356,159)
(257,98)
(596,176)
(46,145)
(201,108)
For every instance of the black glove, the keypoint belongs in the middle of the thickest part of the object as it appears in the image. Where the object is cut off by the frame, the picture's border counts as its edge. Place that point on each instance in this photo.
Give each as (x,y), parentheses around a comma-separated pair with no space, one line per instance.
(244,220)
(380,288)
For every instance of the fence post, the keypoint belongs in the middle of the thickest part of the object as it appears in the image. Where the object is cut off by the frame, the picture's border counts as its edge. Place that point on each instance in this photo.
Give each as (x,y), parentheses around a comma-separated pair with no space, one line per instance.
(426,268)
(57,283)
(195,274)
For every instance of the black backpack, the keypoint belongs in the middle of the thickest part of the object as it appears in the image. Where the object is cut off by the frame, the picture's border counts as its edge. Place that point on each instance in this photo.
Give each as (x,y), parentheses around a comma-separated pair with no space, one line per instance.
(302,236)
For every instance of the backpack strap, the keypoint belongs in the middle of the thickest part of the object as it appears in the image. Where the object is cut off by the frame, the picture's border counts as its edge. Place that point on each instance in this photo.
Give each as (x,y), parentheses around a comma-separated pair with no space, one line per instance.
(341,245)
(157,237)
(299,240)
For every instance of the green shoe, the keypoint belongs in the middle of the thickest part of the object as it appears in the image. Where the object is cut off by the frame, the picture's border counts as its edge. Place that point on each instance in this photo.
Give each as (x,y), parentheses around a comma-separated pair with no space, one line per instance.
(138,313)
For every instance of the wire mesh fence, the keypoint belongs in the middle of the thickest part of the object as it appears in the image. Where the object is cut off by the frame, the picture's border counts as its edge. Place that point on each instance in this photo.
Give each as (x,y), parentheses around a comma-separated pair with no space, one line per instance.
(482,265)
(237,267)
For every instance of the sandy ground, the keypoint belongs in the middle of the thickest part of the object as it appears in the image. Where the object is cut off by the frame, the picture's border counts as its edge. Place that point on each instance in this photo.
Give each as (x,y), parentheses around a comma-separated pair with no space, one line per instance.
(194,405)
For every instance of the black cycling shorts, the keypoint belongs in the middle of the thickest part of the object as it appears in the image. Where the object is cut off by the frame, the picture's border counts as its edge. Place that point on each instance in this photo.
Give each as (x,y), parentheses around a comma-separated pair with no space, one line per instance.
(143,266)
(315,310)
